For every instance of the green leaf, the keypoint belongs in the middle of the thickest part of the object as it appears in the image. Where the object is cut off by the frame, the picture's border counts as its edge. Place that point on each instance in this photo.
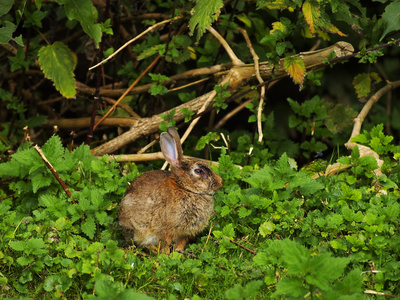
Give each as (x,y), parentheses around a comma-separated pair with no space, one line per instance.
(57,63)
(363,83)
(23,261)
(18,245)
(40,180)
(203,14)
(158,77)
(157,89)
(187,113)
(242,293)
(36,246)
(89,227)
(5,6)
(86,14)
(293,287)
(391,17)
(296,256)
(267,228)
(6,32)
(204,140)
(53,149)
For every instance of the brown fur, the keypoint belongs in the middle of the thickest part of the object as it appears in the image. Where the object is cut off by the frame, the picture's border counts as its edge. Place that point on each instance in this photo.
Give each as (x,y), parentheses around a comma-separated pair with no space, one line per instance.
(161,207)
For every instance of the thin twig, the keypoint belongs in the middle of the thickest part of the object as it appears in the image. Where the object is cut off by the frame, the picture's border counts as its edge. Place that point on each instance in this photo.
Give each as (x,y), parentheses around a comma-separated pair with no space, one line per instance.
(187,85)
(232,113)
(145,148)
(378,293)
(52,170)
(208,237)
(127,91)
(235,60)
(241,246)
(134,39)
(260,80)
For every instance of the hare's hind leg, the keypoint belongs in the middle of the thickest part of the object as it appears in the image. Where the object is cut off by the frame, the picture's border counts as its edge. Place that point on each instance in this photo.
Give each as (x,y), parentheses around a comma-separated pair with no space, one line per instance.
(181,243)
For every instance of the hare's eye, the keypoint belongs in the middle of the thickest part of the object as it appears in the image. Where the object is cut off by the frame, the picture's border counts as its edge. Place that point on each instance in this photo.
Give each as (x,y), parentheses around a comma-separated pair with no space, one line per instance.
(199,171)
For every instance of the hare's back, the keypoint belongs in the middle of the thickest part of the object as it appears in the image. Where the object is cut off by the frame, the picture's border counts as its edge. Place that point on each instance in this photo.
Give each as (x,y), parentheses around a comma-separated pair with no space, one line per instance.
(141,199)
(144,189)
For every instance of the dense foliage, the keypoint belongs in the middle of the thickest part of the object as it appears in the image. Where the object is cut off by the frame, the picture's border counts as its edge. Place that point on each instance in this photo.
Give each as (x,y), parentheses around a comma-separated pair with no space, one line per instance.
(307,208)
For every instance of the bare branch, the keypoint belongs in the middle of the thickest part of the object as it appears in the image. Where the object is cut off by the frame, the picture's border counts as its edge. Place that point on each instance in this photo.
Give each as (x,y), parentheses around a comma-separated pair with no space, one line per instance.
(237,77)
(134,39)
(260,80)
(235,60)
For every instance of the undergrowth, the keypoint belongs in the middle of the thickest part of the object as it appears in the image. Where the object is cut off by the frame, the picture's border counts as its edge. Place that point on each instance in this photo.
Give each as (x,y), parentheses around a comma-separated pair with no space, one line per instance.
(276,231)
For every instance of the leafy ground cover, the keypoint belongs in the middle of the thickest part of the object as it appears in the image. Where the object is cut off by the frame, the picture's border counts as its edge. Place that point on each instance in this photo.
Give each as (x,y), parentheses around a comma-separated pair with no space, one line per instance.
(276,232)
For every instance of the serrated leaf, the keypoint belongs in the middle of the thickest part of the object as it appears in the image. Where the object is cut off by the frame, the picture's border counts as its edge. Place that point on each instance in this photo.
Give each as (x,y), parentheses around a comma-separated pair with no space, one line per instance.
(86,14)
(311,12)
(391,17)
(53,149)
(101,217)
(203,14)
(157,89)
(23,261)
(277,26)
(362,85)
(6,32)
(18,245)
(96,198)
(89,227)
(292,286)
(296,69)
(36,246)
(40,180)
(63,223)
(57,64)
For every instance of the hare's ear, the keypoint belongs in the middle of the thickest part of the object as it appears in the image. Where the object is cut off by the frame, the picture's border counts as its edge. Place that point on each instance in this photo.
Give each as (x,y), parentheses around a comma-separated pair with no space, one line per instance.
(171,147)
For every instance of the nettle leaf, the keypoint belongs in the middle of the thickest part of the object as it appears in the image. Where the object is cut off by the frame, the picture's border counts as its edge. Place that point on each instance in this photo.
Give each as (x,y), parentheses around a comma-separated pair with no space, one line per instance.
(40,180)
(391,17)
(157,89)
(203,14)
(158,77)
(296,69)
(187,113)
(86,14)
(57,63)
(311,12)
(89,227)
(292,286)
(204,140)
(53,149)
(6,32)
(363,83)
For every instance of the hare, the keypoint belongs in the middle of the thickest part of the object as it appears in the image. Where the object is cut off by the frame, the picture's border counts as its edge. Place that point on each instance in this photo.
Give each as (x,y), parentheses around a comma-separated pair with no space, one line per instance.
(161,207)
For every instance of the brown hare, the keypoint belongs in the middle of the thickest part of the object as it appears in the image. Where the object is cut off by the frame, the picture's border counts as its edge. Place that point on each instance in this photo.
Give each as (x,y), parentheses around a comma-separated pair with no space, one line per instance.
(161,207)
